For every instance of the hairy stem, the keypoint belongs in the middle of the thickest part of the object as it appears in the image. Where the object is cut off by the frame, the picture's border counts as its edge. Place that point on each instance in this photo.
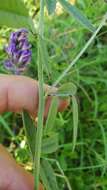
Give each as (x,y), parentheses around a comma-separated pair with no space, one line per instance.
(41,101)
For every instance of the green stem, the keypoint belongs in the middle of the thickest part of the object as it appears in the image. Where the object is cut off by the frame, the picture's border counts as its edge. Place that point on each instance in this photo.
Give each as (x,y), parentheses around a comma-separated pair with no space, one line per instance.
(81,52)
(41,101)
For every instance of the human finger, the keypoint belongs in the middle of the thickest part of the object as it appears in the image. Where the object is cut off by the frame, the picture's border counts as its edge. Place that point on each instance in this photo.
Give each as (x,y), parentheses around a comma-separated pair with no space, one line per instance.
(20,92)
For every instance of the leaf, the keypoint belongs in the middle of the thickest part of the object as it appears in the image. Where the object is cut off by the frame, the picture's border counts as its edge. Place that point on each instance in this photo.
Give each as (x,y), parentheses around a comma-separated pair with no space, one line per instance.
(44,56)
(71,9)
(6,127)
(47,176)
(68,89)
(30,130)
(51,5)
(13,13)
(50,144)
(51,115)
(75,120)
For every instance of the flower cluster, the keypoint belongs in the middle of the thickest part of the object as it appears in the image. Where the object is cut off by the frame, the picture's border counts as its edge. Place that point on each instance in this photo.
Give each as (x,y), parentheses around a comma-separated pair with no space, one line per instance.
(19,52)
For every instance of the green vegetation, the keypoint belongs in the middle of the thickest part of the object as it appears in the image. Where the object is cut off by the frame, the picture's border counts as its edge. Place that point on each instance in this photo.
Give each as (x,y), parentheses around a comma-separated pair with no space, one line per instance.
(80,159)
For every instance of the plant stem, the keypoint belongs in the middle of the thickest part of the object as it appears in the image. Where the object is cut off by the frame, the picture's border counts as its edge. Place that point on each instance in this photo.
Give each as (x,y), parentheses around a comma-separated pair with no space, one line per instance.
(41,101)
(81,52)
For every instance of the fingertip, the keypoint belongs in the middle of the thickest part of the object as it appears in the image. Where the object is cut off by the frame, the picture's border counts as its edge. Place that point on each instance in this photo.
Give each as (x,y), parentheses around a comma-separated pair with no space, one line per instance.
(63,104)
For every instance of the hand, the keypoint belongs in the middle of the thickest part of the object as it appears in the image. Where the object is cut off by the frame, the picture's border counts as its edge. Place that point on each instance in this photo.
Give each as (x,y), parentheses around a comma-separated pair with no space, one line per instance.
(18,93)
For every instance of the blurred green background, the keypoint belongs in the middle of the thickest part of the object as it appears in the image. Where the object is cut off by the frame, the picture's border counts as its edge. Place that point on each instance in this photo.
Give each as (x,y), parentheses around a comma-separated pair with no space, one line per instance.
(86,167)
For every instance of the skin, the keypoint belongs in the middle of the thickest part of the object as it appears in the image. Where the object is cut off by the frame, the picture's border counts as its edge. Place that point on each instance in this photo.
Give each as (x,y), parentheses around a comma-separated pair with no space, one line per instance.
(18,93)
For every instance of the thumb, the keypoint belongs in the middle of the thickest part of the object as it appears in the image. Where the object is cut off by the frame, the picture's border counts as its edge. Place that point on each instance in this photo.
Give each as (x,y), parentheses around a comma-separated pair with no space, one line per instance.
(13,176)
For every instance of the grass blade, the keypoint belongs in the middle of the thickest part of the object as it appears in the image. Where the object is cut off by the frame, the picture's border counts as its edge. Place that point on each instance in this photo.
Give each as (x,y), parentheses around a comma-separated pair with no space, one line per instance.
(44,58)
(5,125)
(51,5)
(71,9)
(30,130)
(48,177)
(52,115)
(75,120)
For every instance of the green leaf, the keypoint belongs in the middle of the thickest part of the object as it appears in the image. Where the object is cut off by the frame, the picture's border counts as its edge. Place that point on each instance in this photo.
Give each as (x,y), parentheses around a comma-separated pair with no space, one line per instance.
(44,56)
(51,115)
(6,127)
(30,130)
(47,176)
(71,9)
(68,89)
(75,120)
(50,144)
(51,5)
(13,13)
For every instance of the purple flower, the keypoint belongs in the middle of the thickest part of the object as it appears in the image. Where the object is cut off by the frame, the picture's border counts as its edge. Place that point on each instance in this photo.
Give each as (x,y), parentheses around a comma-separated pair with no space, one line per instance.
(18,51)
(8,64)
(25,56)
